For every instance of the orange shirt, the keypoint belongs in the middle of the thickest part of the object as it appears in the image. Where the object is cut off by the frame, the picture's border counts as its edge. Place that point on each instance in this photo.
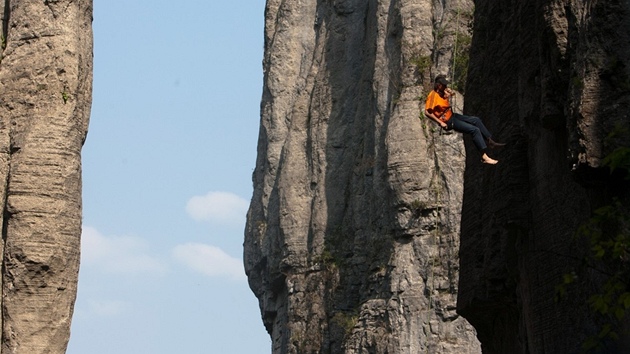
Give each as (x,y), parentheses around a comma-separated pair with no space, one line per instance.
(439,106)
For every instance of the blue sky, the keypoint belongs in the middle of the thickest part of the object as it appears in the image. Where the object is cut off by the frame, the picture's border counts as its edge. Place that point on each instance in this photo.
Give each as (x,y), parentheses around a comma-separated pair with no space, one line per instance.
(167,170)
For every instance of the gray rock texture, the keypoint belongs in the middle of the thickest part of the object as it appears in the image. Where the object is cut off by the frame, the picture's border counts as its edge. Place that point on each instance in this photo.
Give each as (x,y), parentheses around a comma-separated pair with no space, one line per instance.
(551,78)
(45,99)
(352,237)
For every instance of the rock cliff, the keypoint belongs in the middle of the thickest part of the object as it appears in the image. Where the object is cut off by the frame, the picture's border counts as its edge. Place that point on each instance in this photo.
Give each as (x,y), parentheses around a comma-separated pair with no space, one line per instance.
(552,79)
(353,230)
(353,233)
(45,85)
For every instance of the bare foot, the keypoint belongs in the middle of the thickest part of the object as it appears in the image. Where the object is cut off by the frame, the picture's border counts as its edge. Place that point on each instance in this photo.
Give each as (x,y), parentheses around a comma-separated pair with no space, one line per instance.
(487,160)
(493,144)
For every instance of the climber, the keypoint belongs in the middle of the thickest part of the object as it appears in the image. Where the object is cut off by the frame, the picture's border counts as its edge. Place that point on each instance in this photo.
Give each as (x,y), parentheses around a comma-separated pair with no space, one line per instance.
(438,109)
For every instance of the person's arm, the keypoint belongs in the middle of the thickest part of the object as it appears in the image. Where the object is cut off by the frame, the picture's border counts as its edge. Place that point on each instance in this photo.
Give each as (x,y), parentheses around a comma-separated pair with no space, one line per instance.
(434,118)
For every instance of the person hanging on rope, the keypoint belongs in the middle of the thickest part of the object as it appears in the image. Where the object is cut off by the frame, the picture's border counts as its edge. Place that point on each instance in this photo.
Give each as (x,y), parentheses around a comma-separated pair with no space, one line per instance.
(438,109)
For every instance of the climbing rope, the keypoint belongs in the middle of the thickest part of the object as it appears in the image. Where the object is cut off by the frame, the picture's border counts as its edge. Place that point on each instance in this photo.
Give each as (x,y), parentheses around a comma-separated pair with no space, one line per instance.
(454,105)
(438,189)
(436,228)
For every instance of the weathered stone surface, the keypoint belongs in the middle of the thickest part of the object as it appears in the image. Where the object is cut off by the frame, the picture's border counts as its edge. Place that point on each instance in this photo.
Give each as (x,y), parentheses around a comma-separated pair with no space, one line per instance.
(45,99)
(352,236)
(551,78)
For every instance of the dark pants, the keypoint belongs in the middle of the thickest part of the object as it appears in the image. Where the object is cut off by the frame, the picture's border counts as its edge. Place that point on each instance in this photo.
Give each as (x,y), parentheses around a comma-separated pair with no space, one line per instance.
(470,125)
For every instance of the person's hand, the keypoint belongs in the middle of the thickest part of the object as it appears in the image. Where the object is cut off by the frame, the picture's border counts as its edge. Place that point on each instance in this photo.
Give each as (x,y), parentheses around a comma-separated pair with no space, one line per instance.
(443,125)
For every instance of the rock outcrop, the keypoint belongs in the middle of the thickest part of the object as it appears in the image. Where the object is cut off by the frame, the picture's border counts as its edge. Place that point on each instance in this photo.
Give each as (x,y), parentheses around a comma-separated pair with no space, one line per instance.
(551,78)
(45,99)
(352,239)
(353,230)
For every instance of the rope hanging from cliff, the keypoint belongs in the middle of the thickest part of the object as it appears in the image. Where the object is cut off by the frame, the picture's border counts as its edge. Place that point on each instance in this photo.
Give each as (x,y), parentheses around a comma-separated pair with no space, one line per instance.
(454,66)
(436,227)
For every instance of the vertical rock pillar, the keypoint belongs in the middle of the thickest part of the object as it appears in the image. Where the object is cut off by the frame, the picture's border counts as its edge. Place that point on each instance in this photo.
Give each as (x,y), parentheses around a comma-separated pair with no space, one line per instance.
(45,99)
(352,235)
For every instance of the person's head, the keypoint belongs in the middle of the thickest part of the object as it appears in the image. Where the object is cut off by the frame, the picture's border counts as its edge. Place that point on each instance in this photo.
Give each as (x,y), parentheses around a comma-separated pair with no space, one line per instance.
(440,83)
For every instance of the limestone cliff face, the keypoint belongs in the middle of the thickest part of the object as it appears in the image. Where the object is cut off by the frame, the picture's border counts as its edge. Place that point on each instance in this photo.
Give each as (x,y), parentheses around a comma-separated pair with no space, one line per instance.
(353,231)
(45,98)
(552,79)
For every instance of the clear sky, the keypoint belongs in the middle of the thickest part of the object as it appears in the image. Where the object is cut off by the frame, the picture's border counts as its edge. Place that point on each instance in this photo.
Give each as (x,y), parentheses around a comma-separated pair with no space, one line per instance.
(167,168)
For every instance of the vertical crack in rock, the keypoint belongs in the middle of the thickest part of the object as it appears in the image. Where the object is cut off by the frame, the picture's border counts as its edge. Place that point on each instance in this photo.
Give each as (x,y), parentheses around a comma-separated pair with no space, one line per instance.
(5,220)
(4,167)
(6,15)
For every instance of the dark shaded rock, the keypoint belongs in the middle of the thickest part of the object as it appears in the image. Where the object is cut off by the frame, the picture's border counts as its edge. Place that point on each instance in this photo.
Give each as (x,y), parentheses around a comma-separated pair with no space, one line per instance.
(550,78)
